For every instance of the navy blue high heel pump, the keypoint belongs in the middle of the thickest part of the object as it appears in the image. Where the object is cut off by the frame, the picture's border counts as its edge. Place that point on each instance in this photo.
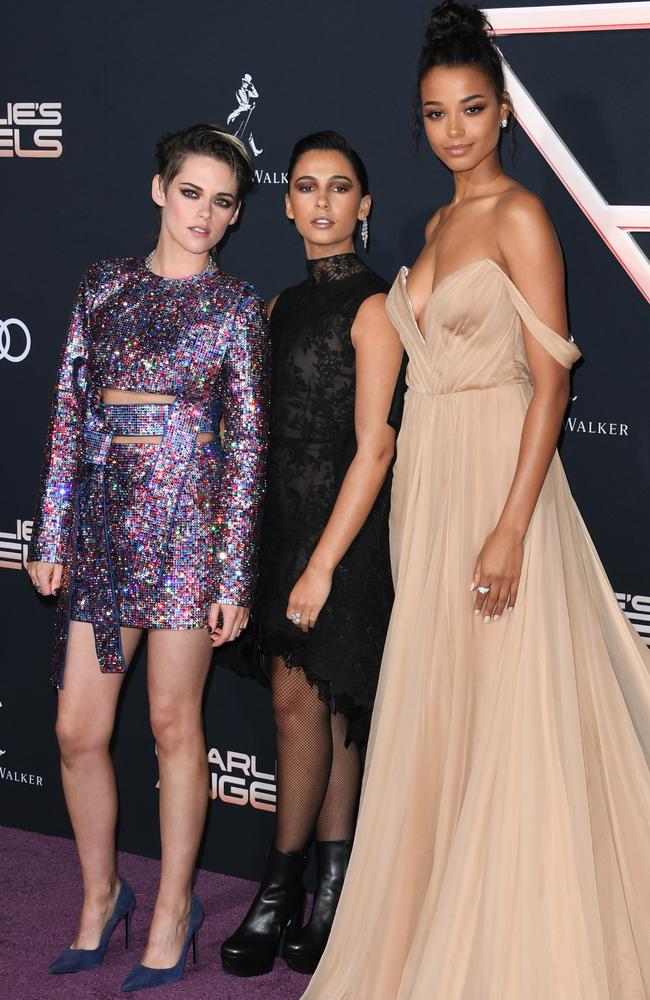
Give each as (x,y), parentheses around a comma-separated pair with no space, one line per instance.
(141,977)
(83,959)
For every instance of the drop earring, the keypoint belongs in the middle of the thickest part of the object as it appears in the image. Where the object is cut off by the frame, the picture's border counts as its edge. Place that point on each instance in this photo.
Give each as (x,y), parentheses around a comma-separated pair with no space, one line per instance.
(364,233)
(503,123)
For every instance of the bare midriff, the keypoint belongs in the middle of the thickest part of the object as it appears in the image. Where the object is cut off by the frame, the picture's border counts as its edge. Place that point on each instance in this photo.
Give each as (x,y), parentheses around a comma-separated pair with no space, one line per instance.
(117,397)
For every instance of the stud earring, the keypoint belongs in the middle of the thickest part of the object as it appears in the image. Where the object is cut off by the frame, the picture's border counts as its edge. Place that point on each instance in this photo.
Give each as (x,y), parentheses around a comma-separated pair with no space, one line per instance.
(364,233)
(503,123)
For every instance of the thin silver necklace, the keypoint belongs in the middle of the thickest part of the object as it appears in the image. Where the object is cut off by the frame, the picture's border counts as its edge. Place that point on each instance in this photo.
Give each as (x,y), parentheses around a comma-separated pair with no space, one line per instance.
(210,266)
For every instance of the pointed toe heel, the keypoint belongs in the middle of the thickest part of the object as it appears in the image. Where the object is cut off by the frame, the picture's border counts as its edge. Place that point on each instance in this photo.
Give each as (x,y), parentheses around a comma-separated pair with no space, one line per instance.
(141,977)
(84,959)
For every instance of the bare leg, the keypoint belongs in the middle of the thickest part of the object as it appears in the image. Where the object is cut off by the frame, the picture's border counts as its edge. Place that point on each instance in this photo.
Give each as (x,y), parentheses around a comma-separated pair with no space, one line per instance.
(337,817)
(304,751)
(177,671)
(84,726)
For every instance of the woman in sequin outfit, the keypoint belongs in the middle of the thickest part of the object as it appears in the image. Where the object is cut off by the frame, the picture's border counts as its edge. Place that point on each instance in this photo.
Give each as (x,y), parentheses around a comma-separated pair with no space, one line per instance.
(147,521)
(325,590)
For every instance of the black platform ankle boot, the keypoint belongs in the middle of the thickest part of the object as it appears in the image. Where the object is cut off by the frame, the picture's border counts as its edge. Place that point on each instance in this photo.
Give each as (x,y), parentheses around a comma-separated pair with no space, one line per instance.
(277,909)
(303,949)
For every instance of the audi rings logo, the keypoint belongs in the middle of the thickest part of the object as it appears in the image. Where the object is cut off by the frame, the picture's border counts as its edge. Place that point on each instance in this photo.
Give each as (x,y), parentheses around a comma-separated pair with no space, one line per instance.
(15,341)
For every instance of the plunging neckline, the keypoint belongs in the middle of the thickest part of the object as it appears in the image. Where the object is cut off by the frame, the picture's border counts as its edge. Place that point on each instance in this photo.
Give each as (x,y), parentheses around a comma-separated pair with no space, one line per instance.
(404,271)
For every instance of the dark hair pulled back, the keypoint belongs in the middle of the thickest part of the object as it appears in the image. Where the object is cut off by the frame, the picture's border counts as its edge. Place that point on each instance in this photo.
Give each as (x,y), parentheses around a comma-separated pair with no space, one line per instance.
(458,35)
(328,141)
(205,140)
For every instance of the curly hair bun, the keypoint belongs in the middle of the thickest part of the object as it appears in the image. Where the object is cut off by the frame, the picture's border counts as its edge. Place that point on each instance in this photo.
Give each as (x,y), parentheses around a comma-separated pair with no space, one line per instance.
(459,35)
(451,18)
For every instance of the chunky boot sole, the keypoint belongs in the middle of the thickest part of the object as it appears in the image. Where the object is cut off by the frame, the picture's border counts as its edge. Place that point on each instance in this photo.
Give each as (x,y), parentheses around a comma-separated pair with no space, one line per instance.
(244,967)
(304,959)
(304,950)
(248,966)
(306,964)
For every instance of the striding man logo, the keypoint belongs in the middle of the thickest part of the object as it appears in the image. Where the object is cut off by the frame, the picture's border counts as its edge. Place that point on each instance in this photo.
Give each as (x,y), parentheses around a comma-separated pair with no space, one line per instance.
(246,97)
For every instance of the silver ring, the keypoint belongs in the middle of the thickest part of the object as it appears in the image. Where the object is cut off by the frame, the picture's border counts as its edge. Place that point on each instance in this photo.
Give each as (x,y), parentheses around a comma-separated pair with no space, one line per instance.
(483,590)
(296,616)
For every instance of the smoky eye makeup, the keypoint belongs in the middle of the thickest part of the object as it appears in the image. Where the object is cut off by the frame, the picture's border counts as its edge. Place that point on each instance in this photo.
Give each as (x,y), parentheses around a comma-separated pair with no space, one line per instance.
(222,200)
(341,181)
(339,184)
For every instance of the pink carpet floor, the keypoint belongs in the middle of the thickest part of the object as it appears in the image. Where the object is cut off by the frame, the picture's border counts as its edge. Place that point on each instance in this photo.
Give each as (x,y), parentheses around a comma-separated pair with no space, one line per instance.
(39,901)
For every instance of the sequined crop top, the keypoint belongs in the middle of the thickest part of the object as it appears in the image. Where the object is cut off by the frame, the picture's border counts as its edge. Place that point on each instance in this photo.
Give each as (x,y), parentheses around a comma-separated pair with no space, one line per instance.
(202,339)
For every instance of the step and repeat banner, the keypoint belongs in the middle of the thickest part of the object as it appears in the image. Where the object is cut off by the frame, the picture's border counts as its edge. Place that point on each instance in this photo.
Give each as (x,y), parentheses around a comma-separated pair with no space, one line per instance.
(85,92)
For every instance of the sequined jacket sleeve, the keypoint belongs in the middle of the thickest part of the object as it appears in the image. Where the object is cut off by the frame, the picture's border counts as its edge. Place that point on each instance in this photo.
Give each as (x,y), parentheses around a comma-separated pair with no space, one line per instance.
(245,397)
(61,464)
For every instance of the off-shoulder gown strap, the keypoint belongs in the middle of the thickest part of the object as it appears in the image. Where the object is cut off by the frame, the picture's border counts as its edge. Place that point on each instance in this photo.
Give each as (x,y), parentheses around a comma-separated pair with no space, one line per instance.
(564,351)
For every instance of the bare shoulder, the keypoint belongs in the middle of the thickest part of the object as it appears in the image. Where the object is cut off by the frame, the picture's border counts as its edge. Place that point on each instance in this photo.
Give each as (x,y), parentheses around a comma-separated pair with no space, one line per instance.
(432,225)
(372,309)
(518,203)
(521,213)
(372,326)
(271,305)
(532,255)
(524,229)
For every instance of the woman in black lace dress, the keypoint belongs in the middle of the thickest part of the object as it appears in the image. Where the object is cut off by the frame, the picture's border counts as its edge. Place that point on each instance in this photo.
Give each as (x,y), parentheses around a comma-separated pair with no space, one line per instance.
(325,591)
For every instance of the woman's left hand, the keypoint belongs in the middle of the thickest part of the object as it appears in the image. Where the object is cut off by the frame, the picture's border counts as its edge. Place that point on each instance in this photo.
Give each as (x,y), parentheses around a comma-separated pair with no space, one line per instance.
(233,622)
(307,598)
(498,568)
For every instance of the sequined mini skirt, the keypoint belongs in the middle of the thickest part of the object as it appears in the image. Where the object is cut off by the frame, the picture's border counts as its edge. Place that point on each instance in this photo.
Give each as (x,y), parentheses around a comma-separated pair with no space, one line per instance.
(182,598)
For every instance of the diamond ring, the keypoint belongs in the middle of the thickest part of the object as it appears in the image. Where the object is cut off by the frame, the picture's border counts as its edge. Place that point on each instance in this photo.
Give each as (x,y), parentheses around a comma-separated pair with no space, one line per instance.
(483,590)
(296,617)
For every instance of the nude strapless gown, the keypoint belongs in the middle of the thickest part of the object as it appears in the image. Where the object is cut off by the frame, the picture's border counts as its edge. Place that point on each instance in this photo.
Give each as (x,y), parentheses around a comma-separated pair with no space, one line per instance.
(503,844)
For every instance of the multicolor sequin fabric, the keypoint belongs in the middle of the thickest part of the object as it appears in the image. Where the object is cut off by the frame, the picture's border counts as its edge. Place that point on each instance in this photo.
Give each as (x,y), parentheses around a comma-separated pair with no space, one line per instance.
(149,535)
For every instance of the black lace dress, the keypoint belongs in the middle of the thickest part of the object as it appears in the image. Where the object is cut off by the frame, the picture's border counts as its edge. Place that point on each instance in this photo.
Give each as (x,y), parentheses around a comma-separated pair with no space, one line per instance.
(312,444)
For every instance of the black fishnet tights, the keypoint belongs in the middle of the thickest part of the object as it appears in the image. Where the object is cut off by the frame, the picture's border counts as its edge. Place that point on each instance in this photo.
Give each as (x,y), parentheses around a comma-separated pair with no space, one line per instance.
(318,776)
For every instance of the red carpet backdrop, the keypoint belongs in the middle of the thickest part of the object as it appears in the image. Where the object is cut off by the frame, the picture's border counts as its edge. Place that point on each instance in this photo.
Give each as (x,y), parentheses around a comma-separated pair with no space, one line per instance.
(86,91)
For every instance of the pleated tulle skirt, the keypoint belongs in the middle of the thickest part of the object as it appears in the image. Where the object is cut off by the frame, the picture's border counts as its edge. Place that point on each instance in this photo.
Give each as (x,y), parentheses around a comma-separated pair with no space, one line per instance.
(503,844)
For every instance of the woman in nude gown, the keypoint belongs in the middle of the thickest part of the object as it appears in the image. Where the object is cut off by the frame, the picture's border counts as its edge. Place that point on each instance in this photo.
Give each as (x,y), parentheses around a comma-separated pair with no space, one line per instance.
(503,840)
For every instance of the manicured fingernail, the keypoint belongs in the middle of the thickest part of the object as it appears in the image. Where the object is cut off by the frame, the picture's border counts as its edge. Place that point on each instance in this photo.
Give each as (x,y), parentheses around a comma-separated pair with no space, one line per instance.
(487,619)
(473,587)
(511,609)
(476,612)
(496,617)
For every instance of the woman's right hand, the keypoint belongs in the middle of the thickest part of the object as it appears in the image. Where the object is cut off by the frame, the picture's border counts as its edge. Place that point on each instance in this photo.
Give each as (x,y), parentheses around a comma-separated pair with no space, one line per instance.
(46,577)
